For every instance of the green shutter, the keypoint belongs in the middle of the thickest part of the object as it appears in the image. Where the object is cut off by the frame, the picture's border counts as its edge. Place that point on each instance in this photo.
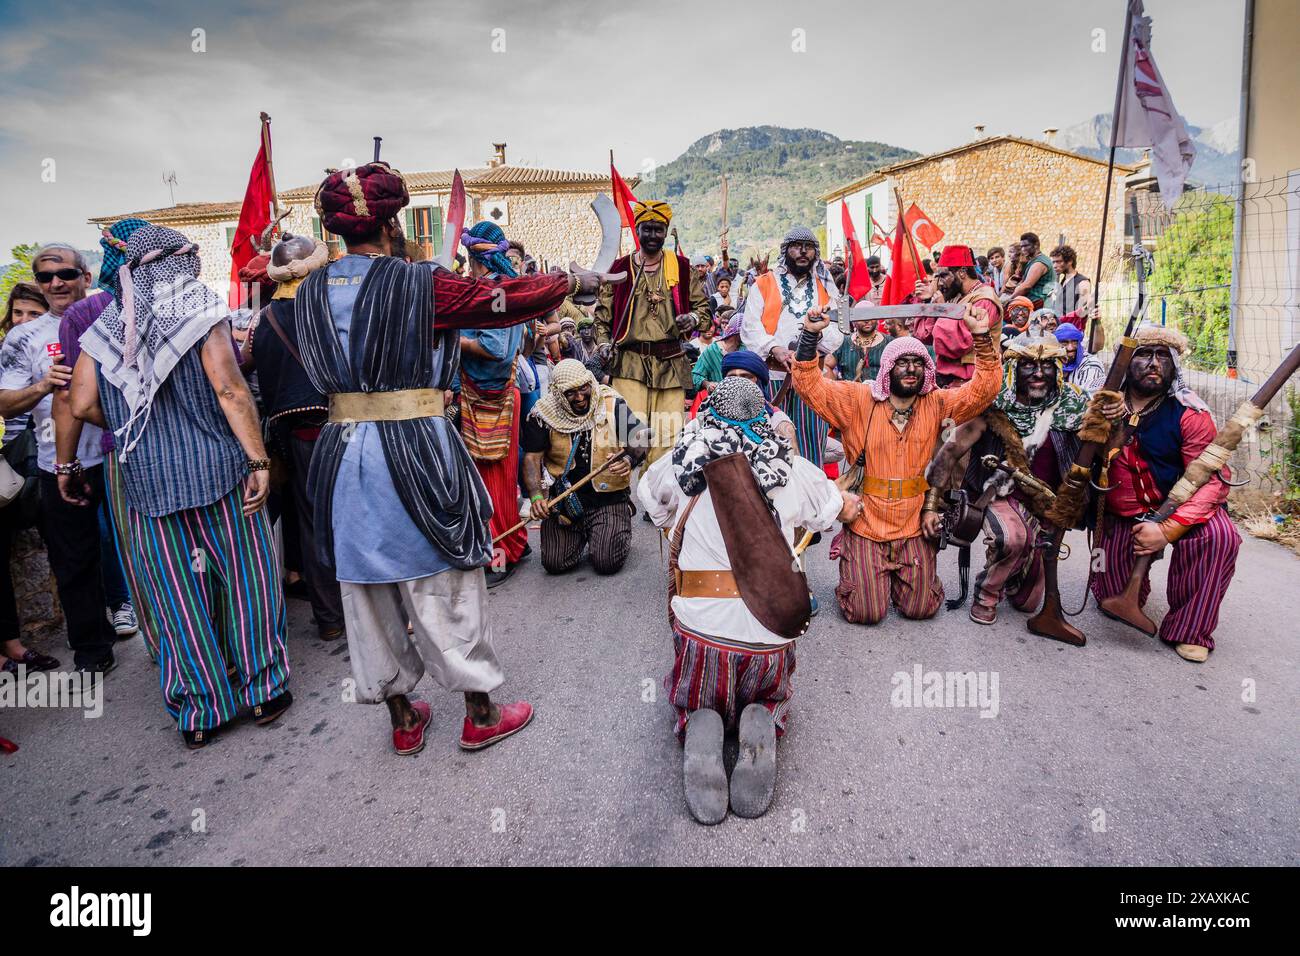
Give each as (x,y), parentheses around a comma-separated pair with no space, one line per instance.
(230,237)
(316,229)
(410,225)
(436,233)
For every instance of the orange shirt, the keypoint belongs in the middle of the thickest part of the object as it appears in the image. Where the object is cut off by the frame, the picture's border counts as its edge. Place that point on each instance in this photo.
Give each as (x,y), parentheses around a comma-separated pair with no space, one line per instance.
(865,423)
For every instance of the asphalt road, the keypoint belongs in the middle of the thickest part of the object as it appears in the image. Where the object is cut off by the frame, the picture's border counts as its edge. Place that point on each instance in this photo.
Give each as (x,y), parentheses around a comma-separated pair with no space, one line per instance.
(1116,753)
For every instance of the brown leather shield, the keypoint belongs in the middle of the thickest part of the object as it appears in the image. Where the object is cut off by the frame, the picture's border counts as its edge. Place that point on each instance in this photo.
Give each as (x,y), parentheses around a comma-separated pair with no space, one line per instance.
(773,591)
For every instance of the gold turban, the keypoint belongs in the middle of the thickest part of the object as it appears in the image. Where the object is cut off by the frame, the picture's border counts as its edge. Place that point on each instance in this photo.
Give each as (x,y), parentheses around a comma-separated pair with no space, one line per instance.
(651,211)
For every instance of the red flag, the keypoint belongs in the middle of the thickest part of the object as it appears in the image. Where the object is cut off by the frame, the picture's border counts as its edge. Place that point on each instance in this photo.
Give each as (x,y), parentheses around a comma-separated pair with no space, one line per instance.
(881,235)
(859,279)
(904,270)
(923,230)
(254,217)
(623,199)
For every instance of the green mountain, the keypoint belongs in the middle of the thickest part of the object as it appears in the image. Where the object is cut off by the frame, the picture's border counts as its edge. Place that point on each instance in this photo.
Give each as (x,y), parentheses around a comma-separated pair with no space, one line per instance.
(774,176)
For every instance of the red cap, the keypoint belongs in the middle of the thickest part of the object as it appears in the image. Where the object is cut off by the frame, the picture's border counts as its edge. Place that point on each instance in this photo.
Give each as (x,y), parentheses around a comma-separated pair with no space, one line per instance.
(956,257)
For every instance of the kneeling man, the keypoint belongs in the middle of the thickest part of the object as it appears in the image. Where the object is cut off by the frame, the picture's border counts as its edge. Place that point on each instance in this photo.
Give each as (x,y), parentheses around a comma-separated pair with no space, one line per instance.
(730,497)
(573,431)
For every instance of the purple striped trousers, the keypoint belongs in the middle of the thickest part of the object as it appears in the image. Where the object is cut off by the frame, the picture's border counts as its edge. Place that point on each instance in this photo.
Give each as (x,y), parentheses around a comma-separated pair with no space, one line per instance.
(1199,574)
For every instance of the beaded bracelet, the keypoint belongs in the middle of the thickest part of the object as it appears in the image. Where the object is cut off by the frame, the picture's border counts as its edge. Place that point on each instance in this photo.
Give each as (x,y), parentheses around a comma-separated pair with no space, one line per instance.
(73,467)
(259,464)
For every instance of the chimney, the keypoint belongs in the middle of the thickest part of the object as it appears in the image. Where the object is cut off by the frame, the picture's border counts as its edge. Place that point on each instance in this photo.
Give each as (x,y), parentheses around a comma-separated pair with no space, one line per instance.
(979,131)
(1049,136)
(499,159)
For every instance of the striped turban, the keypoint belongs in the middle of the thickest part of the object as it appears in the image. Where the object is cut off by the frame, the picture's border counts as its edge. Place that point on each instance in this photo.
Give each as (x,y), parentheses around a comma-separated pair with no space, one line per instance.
(652,210)
(487,244)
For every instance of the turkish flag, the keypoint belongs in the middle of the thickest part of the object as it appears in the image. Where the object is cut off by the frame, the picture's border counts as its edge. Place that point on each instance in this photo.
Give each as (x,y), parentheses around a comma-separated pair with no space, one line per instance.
(623,200)
(254,217)
(904,271)
(924,231)
(859,279)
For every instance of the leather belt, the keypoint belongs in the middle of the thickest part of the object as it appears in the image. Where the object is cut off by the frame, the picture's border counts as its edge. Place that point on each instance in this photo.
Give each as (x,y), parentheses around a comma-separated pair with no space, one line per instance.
(668,349)
(706,584)
(895,488)
(346,407)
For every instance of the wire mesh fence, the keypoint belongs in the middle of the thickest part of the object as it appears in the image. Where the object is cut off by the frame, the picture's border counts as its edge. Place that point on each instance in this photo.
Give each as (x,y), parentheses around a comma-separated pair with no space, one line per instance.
(1223,270)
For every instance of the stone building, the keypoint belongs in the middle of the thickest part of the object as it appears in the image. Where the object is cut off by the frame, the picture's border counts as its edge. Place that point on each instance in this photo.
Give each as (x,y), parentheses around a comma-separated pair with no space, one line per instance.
(548,210)
(988,192)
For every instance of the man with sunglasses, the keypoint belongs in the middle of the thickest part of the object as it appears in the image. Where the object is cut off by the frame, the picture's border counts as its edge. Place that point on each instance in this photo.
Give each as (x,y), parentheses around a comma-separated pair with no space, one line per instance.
(31,368)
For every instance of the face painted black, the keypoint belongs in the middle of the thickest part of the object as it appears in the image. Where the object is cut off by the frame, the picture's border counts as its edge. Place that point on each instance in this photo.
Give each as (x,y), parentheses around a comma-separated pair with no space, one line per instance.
(1151,370)
(652,236)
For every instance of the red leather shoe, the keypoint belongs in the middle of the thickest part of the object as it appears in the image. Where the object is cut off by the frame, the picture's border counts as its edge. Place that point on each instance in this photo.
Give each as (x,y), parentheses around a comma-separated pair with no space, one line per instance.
(514,718)
(407,742)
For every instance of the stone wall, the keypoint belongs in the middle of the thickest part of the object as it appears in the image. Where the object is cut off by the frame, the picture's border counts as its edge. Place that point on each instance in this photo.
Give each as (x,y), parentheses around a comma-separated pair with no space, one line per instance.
(555,226)
(988,195)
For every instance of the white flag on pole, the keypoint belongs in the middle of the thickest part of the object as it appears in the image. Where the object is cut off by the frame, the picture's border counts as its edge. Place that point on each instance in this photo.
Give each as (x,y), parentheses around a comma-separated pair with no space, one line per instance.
(1147,116)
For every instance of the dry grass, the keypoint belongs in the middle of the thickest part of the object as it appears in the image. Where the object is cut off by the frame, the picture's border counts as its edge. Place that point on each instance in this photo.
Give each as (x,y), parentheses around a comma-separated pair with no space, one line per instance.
(1263,524)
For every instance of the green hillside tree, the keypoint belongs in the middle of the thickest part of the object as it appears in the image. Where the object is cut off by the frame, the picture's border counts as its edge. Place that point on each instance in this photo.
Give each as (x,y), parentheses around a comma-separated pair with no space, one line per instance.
(1193,270)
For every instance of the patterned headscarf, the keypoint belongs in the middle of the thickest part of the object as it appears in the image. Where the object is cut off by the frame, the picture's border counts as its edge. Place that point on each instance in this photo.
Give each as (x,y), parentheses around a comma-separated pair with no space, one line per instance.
(734,419)
(553,409)
(487,244)
(113,241)
(903,345)
(165,310)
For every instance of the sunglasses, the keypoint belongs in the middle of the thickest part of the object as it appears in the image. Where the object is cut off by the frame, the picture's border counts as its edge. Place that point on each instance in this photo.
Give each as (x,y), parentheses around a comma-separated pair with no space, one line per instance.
(67,275)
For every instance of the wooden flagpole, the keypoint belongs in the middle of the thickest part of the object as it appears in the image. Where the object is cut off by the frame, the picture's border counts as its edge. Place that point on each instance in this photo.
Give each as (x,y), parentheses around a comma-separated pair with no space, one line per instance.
(270,168)
(1094,325)
(916,256)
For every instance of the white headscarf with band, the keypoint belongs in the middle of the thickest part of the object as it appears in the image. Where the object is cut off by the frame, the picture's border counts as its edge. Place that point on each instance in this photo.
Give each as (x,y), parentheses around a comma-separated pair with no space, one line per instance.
(165,311)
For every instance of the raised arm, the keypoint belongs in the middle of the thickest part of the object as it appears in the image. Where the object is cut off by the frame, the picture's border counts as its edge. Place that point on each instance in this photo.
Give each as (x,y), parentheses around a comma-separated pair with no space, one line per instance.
(466,303)
(969,399)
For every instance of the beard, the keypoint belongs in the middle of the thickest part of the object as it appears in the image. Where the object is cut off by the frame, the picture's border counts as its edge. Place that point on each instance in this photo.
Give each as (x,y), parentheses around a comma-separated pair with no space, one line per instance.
(1147,388)
(797,270)
(901,389)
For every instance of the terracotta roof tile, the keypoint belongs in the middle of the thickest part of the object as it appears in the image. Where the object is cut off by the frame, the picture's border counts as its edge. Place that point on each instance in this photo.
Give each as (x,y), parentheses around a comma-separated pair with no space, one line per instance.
(417,182)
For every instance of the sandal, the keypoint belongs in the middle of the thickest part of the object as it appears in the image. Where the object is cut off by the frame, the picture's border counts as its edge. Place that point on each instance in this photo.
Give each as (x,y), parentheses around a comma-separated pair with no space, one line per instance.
(266,712)
(197,739)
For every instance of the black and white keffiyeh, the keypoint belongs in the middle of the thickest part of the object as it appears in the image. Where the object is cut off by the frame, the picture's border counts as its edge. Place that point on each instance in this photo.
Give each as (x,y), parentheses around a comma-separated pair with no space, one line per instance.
(165,310)
(734,419)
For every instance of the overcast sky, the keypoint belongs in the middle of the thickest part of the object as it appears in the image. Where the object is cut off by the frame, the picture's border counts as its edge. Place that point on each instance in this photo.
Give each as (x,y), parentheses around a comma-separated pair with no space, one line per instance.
(115,94)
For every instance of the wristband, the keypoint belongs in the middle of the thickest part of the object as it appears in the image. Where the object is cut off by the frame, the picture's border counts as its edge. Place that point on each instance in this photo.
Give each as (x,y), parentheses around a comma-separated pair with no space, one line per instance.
(73,467)
(807,345)
(933,500)
(536,496)
(259,464)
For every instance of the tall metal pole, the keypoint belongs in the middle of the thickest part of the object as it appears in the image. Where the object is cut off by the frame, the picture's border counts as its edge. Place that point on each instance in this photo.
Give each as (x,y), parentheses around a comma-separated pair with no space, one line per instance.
(1093,344)
(1238,220)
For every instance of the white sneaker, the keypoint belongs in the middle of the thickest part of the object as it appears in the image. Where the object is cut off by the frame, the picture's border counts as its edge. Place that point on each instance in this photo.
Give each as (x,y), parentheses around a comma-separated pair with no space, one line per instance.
(124,621)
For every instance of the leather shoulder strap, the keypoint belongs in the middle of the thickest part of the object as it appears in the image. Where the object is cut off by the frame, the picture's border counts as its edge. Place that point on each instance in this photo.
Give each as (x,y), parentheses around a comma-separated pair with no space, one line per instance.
(269,314)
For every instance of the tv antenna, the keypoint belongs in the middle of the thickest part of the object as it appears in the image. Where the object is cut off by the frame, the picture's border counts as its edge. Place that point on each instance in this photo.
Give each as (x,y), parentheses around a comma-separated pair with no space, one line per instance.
(169,178)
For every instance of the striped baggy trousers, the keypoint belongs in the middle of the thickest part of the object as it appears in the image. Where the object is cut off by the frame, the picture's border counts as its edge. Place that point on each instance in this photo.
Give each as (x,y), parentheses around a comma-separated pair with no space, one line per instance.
(502,481)
(716,674)
(606,532)
(212,580)
(809,430)
(874,573)
(1010,533)
(119,509)
(1199,574)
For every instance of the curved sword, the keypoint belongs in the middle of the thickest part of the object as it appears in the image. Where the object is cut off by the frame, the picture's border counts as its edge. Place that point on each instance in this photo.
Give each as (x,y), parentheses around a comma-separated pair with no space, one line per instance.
(455,223)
